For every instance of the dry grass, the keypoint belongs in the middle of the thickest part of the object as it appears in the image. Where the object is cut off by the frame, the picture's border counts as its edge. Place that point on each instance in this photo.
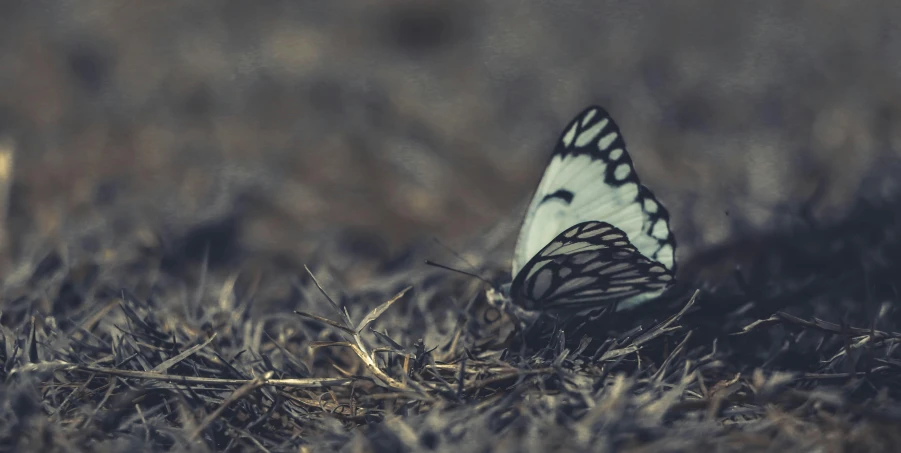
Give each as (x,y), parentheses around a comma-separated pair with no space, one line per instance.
(799,353)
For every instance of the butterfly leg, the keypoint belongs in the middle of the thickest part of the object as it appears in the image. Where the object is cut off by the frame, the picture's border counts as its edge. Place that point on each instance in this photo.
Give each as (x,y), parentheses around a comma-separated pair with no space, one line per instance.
(523,318)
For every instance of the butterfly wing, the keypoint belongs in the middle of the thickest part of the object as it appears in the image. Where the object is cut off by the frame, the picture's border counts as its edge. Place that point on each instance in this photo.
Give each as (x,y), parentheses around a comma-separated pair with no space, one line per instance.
(587,266)
(591,177)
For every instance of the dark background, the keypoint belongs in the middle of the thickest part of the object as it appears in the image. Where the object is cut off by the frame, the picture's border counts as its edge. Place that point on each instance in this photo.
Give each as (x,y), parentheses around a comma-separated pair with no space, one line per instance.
(405,120)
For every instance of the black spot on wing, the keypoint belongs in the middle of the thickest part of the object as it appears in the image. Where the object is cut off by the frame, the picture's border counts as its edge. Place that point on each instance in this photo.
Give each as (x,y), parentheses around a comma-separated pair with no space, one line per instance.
(561,194)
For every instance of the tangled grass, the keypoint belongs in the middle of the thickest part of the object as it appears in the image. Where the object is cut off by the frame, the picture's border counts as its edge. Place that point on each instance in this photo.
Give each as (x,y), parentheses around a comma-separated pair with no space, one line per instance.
(797,352)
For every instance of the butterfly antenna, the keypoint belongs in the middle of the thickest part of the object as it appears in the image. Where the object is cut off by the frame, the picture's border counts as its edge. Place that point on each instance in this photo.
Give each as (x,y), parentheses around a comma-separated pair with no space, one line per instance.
(454,252)
(432,263)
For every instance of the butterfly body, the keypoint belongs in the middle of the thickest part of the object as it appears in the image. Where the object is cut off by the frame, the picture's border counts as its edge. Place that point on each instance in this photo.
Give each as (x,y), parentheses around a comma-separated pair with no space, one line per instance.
(593,238)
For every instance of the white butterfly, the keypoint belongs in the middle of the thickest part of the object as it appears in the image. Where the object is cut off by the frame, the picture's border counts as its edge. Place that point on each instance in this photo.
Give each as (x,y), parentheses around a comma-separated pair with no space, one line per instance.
(593,236)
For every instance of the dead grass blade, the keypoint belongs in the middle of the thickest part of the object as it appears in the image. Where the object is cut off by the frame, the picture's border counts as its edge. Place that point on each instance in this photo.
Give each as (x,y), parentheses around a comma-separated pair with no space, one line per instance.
(163,367)
(341,310)
(377,311)
(323,320)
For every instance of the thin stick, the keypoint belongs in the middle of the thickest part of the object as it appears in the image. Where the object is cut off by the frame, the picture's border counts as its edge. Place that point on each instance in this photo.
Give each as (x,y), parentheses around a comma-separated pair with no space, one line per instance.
(298,383)
(163,367)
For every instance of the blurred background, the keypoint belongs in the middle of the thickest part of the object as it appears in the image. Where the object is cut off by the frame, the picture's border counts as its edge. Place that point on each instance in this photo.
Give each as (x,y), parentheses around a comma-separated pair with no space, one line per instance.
(274,126)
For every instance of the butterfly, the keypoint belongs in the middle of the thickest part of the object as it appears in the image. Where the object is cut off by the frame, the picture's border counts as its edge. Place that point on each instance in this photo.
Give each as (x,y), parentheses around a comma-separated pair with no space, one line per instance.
(593,238)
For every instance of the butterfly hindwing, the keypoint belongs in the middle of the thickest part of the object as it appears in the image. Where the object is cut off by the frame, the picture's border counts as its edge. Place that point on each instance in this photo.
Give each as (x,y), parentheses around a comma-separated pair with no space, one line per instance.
(586,266)
(591,177)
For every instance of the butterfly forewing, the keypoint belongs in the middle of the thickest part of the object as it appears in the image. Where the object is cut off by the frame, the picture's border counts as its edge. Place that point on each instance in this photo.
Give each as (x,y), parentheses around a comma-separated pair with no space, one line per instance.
(589,265)
(591,177)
